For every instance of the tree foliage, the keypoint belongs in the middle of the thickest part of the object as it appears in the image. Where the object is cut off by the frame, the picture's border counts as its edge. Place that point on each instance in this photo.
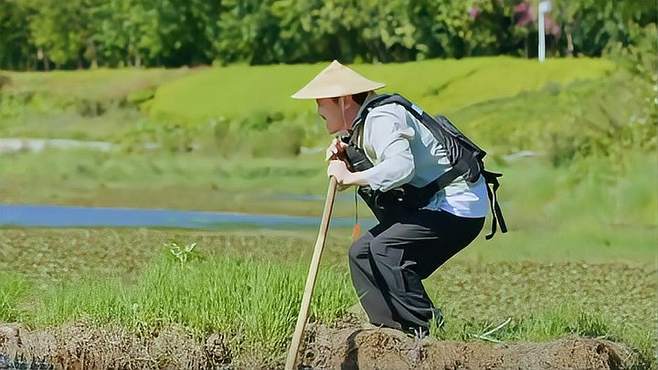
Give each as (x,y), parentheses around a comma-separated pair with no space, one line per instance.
(45,34)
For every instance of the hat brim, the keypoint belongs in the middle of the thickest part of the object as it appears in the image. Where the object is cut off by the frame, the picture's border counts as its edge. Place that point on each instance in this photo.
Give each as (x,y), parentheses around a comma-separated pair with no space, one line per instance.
(334,81)
(310,92)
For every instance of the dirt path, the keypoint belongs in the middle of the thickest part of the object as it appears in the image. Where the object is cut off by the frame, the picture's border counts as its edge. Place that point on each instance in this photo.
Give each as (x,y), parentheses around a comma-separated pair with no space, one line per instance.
(82,347)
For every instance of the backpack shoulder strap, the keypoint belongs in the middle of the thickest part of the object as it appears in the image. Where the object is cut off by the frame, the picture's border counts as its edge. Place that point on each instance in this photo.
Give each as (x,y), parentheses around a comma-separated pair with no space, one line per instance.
(361,115)
(384,99)
(367,106)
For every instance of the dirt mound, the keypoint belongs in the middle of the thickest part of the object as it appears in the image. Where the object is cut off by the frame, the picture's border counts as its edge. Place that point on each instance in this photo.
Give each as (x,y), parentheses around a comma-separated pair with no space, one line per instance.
(350,348)
(81,346)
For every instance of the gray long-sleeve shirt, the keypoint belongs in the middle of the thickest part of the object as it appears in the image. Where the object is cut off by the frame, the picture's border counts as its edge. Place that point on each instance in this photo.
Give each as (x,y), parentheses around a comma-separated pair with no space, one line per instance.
(403,151)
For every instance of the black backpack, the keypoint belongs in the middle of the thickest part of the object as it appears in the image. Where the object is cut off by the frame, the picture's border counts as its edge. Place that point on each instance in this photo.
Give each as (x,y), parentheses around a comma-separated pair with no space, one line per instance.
(466,158)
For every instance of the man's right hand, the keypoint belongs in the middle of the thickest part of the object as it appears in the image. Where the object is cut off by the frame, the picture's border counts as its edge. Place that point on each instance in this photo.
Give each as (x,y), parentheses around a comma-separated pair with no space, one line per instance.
(336,150)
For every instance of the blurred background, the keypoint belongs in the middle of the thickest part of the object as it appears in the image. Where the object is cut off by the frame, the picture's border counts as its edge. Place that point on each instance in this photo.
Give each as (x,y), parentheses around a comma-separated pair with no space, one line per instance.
(185,104)
(110,109)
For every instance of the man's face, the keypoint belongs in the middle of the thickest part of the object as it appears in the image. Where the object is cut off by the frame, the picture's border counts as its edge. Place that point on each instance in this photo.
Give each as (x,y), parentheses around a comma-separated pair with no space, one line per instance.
(330,110)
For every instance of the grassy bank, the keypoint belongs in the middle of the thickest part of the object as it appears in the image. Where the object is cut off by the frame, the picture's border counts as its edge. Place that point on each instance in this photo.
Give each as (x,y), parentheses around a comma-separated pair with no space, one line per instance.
(248,287)
(436,85)
(219,110)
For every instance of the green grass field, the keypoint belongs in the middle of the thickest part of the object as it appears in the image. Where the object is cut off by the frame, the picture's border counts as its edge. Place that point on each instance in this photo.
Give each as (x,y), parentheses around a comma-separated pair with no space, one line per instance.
(97,104)
(436,85)
(249,286)
(580,258)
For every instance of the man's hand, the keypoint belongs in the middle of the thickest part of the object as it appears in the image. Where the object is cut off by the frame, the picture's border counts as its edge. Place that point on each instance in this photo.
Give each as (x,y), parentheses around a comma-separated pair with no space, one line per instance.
(338,169)
(336,150)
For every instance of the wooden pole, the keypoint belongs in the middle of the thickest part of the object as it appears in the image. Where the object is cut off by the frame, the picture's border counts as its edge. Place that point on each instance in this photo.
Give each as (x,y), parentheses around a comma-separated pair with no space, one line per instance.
(312,274)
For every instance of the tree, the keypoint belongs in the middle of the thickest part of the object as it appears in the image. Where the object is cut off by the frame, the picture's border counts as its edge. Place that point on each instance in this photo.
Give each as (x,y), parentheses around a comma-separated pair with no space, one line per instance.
(86,33)
(16,47)
(65,30)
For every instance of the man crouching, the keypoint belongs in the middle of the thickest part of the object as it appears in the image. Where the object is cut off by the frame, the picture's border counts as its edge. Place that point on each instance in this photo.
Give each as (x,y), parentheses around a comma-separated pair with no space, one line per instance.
(395,161)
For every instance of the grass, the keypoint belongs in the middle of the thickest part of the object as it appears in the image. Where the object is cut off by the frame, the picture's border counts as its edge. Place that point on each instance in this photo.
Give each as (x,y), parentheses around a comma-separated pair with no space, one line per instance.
(559,320)
(83,105)
(248,287)
(588,210)
(96,85)
(217,112)
(436,85)
(46,256)
(579,258)
(546,111)
(164,180)
(218,108)
(252,300)
(12,289)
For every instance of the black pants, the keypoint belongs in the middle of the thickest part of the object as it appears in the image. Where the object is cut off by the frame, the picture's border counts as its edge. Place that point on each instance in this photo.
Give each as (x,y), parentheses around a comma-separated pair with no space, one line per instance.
(389,262)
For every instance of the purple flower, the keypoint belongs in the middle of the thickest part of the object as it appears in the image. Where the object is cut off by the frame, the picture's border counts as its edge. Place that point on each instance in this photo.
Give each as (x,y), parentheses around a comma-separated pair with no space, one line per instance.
(474,12)
(523,14)
(552,27)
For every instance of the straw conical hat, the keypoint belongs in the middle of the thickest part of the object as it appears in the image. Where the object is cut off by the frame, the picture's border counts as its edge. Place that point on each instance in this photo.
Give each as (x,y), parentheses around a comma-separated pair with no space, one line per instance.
(336,80)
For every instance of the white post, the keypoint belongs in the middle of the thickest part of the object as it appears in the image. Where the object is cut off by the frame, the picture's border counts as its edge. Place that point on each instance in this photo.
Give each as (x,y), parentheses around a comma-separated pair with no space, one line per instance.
(544,7)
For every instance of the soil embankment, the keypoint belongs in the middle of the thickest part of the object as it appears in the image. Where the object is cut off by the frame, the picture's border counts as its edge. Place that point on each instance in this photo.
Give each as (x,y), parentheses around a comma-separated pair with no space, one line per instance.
(80,346)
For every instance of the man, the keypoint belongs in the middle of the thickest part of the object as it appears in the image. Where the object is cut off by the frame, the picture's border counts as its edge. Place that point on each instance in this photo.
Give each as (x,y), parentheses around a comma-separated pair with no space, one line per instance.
(389,262)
